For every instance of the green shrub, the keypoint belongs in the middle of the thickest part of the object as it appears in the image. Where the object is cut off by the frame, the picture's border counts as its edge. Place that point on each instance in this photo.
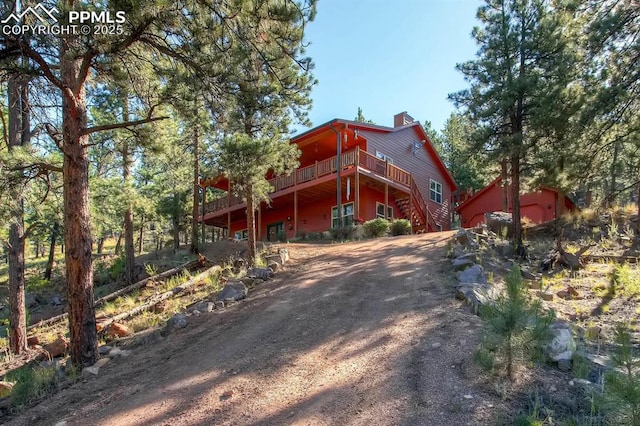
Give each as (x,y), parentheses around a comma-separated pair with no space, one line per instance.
(345,233)
(375,228)
(31,383)
(400,227)
(117,267)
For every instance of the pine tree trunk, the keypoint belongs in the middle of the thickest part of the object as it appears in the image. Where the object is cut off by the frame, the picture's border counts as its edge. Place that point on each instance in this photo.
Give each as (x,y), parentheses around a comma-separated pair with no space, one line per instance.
(196,192)
(77,220)
(505,185)
(636,243)
(52,250)
(251,228)
(176,223)
(129,248)
(16,247)
(17,314)
(141,242)
(515,202)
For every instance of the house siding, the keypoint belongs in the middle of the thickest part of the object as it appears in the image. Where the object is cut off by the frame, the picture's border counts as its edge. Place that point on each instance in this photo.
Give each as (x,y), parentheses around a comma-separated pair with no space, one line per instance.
(399,146)
(538,206)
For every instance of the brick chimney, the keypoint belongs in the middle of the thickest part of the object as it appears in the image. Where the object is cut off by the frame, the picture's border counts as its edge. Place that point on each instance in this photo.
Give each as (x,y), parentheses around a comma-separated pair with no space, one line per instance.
(402,119)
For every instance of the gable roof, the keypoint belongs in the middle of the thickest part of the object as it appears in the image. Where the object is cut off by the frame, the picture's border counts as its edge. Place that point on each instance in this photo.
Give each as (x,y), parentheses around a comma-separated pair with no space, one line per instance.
(416,126)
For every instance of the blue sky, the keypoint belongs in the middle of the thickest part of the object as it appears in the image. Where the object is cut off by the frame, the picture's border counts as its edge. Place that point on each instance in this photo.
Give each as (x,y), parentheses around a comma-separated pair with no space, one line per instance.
(389,56)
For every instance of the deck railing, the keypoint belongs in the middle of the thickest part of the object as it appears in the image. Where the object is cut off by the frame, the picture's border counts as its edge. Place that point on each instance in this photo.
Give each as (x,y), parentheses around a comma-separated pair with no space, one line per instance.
(322,168)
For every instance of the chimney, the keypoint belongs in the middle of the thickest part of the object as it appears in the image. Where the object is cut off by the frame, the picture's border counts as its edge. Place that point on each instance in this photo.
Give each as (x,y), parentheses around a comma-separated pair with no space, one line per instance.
(402,119)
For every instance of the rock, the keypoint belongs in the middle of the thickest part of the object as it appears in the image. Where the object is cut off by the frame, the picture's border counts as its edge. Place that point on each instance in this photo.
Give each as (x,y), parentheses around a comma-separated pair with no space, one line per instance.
(205,306)
(196,313)
(276,258)
(436,345)
(528,275)
(274,266)
(5,388)
(473,274)
(57,348)
(546,296)
(562,345)
(468,396)
(102,362)
(476,295)
(250,282)
(565,364)
(33,341)
(57,300)
(119,353)
(462,237)
(262,273)
(30,300)
(460,263)
(177,321)
(227,395)
(533,285)
(118,330)
(232,292)
(219,305)
(500,222)
(104,350)
(284,254)
(568,293)
(90,371)
(61,423)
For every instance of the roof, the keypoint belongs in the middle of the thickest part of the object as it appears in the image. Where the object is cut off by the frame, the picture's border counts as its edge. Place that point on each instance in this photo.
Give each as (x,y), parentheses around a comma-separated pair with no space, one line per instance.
(387,130)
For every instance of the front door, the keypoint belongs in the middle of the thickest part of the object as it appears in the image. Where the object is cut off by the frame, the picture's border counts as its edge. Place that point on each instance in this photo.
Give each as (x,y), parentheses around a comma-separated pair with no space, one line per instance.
(274,230)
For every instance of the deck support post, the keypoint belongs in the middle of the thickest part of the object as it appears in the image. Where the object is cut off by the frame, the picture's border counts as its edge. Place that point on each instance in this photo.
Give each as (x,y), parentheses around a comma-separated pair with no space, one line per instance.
(356,205)
(229,225)
(386,200)
(295,213)
(411,210)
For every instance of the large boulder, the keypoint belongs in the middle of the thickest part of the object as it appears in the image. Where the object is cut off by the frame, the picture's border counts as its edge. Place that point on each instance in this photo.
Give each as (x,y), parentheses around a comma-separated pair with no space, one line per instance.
(232,292)
(476,295)
(500,222)
(472,274)
(262,273)
(562,345)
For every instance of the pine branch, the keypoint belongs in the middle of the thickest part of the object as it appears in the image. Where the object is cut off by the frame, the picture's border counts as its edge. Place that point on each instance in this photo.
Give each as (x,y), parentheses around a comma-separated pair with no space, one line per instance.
(125,124)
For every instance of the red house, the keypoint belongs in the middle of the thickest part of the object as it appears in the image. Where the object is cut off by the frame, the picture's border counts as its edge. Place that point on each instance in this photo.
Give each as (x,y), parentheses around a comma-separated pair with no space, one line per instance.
(384,172)
(540,206)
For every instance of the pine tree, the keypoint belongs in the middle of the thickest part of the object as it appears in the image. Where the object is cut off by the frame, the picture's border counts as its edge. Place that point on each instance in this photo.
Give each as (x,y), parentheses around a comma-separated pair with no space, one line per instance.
(518,84)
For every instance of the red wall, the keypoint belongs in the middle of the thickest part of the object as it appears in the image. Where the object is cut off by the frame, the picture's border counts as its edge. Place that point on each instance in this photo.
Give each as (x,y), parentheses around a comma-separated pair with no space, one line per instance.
(317,217)
(538,206)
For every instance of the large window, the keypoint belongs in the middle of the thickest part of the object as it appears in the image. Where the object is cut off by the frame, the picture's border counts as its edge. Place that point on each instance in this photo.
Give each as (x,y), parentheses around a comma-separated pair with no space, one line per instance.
(380,211)
(347,215)
(435,194)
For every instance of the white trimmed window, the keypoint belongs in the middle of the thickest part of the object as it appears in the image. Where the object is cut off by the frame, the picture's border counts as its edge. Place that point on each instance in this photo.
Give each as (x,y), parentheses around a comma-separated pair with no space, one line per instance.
(384,157)
(380,211)
(347,215)
(435,192)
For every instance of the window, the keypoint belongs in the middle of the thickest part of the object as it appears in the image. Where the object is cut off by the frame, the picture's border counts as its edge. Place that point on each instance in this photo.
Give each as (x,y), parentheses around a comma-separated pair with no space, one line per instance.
(384,157)
(241,235)
(347,215)
(435,193)
(380,211)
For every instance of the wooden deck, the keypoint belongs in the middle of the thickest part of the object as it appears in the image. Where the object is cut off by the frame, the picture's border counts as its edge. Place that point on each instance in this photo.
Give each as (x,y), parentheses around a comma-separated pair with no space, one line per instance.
(355,161)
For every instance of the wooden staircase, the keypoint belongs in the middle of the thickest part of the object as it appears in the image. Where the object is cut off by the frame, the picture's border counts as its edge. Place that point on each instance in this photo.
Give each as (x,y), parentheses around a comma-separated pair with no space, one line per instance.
(416,211)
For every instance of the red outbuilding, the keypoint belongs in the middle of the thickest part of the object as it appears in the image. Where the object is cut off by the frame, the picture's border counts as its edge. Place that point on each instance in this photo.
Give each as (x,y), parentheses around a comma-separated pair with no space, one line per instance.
(541,205)
(388,172)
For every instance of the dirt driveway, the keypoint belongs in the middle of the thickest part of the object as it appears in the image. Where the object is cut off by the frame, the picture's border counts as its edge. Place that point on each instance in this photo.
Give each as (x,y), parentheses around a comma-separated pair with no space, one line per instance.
(359,333)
